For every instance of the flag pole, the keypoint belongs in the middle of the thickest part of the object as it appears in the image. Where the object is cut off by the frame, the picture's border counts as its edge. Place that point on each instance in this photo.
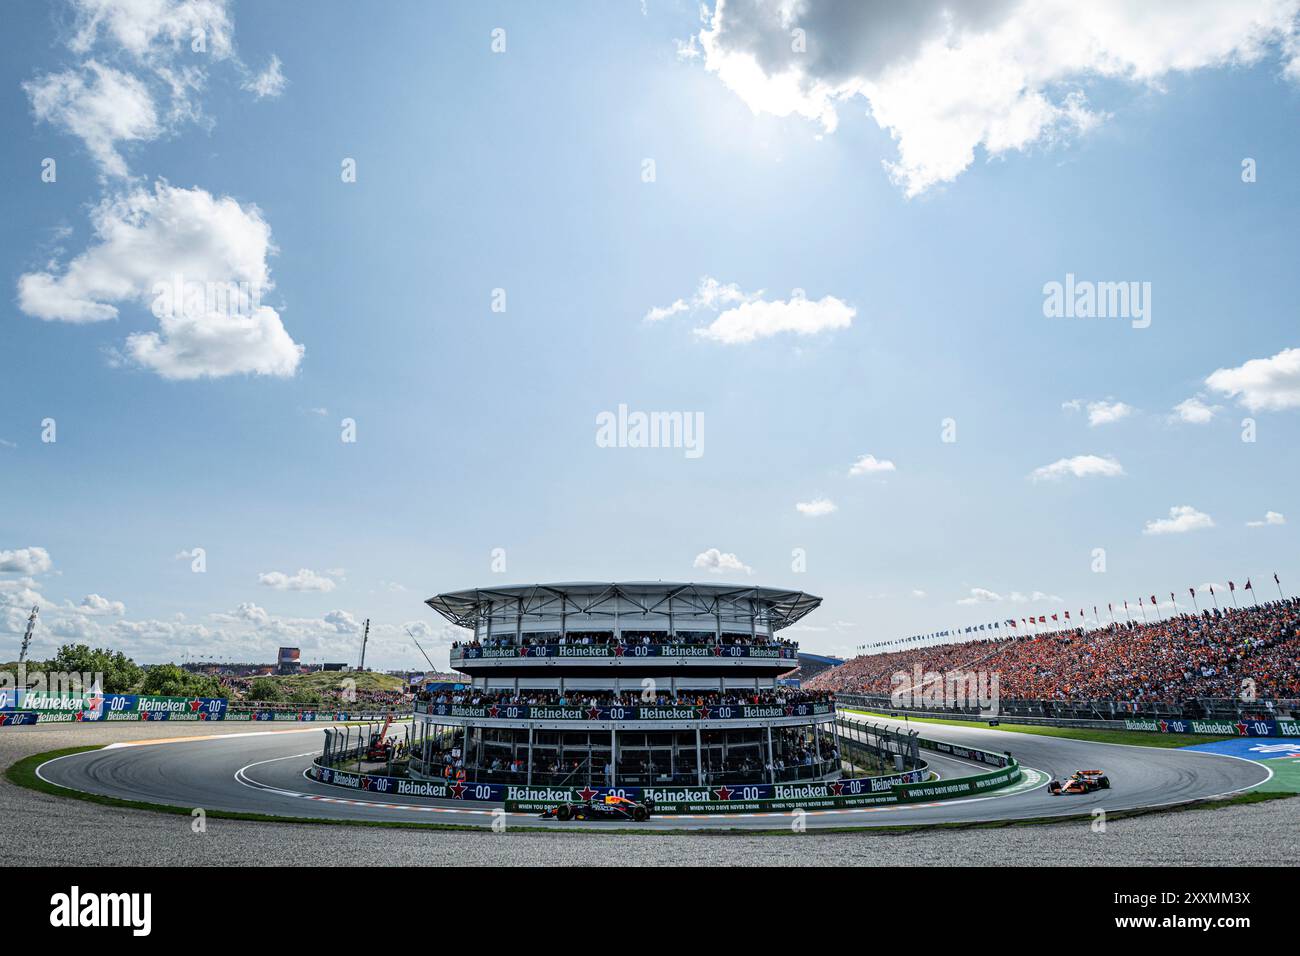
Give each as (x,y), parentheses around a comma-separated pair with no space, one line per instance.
(1192,592)
(1279,586)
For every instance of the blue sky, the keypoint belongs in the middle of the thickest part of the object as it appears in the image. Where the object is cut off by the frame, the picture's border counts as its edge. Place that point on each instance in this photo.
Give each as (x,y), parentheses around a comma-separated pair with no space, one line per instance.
(524,171)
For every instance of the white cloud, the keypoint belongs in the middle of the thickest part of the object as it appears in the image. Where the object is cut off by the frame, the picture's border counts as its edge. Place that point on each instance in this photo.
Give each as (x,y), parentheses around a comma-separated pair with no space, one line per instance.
(153,29)
(985,596)
(1193,411)
(918,593)
(342,622)
(870,465)
(746,316)
(250,612)
(1102,413)
(717,562)
(304,580)
(145,242)
(947,78)
(26,561)
(270,82)
(1269,384)
(1033,597)
(1080,466)
(761,319)
(659,313)
(1182,518)
(94,604)
(815,508)
(99,105)
(1270,518)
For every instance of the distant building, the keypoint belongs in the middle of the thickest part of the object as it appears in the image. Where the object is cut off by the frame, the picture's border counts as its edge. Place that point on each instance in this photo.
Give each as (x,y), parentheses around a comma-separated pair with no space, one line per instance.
(287,661)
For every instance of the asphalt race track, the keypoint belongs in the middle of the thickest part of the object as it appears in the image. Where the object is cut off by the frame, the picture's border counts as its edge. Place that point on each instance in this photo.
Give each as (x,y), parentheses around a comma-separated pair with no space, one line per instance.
(262,772)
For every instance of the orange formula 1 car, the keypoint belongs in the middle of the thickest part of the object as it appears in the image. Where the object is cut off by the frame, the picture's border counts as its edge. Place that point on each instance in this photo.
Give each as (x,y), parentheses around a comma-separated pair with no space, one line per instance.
(1081,781)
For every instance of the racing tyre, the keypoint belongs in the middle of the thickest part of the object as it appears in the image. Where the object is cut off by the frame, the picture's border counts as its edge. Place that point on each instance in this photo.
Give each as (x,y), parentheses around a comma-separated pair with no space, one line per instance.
(640,815)
(563,813)
(1103,783)
(1054,788)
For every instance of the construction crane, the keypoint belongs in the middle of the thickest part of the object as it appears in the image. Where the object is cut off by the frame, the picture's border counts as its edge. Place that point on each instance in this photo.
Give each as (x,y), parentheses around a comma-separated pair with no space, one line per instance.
(27,637)
(364,638)
(421,649)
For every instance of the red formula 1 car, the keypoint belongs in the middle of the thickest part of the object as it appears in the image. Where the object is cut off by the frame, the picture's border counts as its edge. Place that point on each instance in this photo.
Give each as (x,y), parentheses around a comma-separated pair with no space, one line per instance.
(1081,781)
(608,808)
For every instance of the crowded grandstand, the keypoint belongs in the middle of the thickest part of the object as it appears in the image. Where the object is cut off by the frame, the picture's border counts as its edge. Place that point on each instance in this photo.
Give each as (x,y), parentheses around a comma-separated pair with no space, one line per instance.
(1251,653)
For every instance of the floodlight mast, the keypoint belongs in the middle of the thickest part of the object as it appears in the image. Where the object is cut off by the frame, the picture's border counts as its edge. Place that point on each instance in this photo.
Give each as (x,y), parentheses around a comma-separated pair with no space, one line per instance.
(27,637)
(365,637)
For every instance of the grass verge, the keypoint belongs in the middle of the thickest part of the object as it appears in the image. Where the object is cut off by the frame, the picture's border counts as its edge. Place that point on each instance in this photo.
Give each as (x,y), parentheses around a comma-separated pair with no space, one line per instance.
(1139,738)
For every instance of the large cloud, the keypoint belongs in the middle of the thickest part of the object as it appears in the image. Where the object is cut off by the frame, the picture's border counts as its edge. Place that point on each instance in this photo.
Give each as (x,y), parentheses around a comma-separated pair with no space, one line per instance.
(146,243)
(1268,384)
(98,104)
(150,29)
(25,561)
(946,77)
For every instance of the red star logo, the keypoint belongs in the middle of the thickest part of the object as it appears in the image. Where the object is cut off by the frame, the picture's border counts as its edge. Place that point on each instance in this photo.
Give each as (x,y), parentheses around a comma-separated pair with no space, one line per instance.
(717,650)
(619,650)
(523,652)
(1164,726)
(4,719)
(724,792)
(79,716)
(203,715)
(704,713)
(195,704)
(365,783)
(593,713)
(458,791)
(586,793)
(789,710)
(837,788)
(493,710)
(1241,730)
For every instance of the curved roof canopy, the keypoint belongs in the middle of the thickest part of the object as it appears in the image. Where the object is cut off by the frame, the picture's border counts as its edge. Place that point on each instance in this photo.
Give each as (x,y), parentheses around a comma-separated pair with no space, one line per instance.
(466,608)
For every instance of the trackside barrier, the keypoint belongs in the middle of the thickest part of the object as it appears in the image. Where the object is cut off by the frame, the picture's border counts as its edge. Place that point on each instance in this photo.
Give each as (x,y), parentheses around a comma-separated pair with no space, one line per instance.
(1240,727)
(33,707)
(1155,725)
(748,798)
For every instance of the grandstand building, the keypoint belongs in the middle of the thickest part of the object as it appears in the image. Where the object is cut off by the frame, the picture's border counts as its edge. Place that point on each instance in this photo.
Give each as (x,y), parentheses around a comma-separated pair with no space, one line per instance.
(636,684)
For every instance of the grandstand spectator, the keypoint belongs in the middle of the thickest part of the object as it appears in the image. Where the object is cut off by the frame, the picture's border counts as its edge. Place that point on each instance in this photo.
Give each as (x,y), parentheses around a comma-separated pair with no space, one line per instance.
(1178,659)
